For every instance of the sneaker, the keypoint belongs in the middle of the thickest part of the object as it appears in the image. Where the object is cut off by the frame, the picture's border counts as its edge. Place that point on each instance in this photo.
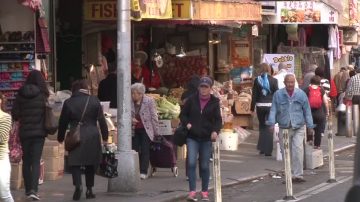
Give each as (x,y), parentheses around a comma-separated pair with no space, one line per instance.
(143,176)
(34,197)
(205,196)
(192,196)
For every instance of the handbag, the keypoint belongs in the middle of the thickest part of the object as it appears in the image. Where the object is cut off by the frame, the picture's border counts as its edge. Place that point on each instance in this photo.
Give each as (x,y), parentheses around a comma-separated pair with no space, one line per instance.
(180,135)
(72,139)
(14,144)
(51,122)
(108,165)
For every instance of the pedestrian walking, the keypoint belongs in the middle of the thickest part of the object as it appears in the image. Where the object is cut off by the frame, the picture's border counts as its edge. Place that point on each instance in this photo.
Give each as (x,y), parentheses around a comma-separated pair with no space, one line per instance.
(309,75)
(5,127)
(145,125)
(291,110)
(262,94)
(280,76)
(81,106)
(353,90)
(29,110)
(319,109)
(108,87)
(201,115)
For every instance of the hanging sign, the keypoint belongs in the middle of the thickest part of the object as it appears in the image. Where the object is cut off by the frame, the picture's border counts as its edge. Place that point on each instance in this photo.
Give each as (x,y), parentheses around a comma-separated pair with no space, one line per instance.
(106,10)
(181,9)
(302,12)
(274,59)
(240,52)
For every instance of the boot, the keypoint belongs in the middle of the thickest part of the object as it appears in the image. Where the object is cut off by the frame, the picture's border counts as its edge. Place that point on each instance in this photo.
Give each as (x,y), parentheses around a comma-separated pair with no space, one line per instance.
(89,193)
(77,193)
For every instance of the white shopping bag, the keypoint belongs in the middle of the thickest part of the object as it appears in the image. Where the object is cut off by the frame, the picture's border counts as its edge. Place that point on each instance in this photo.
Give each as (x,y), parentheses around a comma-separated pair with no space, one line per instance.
(278,152)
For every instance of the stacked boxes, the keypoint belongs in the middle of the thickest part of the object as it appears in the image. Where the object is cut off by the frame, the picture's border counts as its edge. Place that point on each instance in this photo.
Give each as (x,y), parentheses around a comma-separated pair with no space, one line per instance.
(16,176)
(53,155)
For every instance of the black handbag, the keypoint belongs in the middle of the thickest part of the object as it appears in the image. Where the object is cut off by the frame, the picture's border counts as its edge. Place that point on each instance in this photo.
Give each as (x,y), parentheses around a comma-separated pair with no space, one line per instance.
(72,139)
(180,135)
(51,122)
(108,164)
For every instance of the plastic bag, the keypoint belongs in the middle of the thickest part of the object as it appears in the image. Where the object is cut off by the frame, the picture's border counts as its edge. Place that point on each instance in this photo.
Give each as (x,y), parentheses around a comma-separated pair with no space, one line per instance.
(108,165)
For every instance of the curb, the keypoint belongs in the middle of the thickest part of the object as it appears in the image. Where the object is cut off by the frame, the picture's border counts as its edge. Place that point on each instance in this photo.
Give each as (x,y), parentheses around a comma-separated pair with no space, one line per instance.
(248,179)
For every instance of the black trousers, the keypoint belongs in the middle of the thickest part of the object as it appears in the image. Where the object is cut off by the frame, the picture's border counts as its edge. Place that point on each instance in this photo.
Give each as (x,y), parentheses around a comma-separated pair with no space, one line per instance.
(89,175)
(265,142)
(141,144)
(32,150)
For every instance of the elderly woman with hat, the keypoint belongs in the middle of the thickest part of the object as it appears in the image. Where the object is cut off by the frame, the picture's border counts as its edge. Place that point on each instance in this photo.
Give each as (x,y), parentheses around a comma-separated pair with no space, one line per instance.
(201,115)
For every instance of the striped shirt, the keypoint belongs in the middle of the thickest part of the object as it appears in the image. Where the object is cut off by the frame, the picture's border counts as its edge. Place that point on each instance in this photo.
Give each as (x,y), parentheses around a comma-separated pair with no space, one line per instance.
(353,87)
(5,127)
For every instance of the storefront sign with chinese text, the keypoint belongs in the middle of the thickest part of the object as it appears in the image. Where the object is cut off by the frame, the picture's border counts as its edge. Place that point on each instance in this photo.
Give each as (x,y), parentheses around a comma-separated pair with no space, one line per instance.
(274,59)
(303,12)
(181,9)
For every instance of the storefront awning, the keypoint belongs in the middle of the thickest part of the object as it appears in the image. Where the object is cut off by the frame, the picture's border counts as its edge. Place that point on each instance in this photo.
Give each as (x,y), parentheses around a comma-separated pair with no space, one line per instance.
(217,12)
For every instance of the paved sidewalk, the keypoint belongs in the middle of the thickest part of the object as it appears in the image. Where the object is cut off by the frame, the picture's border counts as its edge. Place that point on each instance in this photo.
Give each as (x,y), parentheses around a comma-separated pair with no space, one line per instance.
(239,166)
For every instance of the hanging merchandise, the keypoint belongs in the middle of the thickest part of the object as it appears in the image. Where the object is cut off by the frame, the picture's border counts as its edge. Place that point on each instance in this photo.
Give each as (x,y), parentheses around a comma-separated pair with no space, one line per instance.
(33,4)
(42,34)
(292,31)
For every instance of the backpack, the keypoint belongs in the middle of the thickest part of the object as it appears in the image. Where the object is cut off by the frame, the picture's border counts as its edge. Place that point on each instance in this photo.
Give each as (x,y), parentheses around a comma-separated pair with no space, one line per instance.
(315,98)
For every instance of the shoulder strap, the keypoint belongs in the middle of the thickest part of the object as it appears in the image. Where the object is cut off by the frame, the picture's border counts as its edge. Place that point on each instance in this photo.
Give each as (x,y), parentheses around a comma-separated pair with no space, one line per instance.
(83,113)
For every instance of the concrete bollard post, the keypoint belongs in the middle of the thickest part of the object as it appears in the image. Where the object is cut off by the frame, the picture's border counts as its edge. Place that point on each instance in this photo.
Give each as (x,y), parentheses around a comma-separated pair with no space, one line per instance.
(355,115)
(331,152)
(216,172)
(288,176)
(349,132)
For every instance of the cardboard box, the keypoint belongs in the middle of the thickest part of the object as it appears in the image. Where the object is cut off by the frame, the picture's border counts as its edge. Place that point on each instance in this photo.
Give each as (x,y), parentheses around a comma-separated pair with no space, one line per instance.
(50,151)
(52,175)
(51,164)
(175,123)
(181,152)
(242,105)
(243,121)
(16,176)
(165,127)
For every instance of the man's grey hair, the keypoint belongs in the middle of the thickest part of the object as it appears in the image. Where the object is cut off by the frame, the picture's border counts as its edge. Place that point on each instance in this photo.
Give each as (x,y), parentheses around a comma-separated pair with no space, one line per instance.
(282,66)
(138,87)
(289,75)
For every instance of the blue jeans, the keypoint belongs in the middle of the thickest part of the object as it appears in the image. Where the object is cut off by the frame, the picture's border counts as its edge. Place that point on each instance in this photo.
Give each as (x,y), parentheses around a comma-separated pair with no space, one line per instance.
(203,149)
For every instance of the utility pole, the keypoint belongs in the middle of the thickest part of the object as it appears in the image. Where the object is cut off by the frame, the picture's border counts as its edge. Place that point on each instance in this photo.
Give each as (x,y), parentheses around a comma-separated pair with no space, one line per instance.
(128,179)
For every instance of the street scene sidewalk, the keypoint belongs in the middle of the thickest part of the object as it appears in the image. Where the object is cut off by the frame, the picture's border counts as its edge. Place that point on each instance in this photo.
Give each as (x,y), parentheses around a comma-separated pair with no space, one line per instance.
(236,166)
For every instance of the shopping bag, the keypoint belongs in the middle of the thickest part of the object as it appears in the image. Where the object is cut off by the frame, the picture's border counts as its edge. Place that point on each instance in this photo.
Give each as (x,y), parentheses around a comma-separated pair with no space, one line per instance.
(108,164)
(14,144)
(180,135)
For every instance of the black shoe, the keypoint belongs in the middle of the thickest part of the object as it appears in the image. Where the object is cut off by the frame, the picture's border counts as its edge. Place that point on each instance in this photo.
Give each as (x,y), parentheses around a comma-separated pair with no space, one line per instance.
(268,154)
(261,153)
(90,194)
(298,180)
(77,193)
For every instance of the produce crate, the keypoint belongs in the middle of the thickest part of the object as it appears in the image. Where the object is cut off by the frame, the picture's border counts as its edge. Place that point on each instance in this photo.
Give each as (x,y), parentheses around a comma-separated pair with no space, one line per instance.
(165,127)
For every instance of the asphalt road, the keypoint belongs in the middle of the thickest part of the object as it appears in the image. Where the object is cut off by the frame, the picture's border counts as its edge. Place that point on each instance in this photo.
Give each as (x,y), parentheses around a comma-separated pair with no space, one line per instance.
(315,189)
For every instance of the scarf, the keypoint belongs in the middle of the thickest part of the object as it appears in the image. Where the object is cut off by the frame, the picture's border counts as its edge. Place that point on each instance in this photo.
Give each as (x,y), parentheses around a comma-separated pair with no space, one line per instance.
(264,83)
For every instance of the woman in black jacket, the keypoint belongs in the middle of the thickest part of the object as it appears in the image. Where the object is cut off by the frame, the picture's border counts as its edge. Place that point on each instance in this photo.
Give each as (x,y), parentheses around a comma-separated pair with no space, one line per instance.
(89,152)
(29,110)
(262,92)
(201,115)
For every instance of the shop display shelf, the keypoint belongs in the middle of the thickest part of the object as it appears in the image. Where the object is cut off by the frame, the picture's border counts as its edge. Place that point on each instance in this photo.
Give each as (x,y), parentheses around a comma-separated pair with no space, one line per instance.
(10,52)
(16,61)
(16,42)
(9,89)
(12,81)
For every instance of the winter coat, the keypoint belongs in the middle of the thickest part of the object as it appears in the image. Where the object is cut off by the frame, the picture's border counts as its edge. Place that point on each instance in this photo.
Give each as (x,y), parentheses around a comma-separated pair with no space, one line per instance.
(148,115)
(108,90)
(29,110)
(89,151)
(204,122)
(259,98)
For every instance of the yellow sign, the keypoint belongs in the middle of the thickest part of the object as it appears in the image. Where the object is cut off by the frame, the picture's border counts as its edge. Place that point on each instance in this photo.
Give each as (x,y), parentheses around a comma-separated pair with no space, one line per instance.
(105,10)
(181,9)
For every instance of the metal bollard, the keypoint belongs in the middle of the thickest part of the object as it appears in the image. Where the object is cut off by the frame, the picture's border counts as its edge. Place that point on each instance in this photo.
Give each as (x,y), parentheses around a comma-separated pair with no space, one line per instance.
(288,176)
(331,152)
(349,127)
(355,116)
(216,172)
